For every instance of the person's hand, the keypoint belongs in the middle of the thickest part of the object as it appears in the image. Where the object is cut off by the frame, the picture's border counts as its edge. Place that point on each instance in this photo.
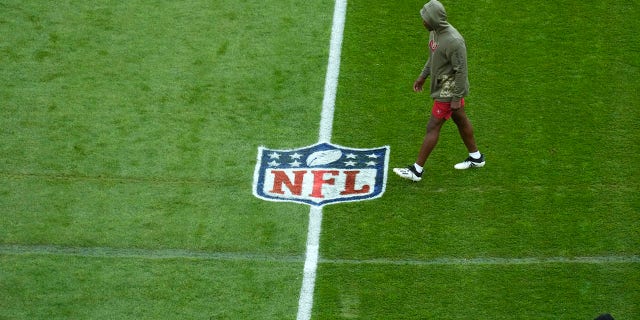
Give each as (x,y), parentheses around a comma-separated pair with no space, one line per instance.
(417,86)
(455,105)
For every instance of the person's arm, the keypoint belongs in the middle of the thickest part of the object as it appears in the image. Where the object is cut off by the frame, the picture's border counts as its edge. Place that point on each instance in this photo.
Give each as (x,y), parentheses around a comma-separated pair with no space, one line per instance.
(459,63)
(419,83)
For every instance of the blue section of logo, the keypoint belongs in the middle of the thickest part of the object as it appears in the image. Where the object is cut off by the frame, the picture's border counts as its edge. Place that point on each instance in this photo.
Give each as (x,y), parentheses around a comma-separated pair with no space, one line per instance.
(321,174)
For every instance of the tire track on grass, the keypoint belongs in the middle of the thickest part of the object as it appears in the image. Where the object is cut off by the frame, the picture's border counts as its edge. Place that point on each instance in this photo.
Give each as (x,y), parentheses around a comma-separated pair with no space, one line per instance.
(114,179)
(204,181)
(491,261)
(148,254)
(158,254)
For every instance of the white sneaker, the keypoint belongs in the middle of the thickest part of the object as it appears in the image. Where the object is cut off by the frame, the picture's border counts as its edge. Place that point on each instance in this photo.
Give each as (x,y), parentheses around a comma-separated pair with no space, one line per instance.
(470,163)
(408,173)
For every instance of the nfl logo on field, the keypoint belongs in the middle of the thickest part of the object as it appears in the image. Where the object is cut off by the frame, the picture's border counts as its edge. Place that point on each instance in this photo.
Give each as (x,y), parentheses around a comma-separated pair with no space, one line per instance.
(321,174)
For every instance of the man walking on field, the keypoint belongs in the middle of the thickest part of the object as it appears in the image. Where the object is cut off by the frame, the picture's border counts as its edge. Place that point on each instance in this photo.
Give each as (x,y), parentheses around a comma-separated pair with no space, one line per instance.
(447,66)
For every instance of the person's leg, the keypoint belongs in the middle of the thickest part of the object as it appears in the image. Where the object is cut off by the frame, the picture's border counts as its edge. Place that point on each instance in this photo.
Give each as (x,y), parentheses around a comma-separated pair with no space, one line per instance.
(430,139)
(475,159)
(465,129)
(439,114)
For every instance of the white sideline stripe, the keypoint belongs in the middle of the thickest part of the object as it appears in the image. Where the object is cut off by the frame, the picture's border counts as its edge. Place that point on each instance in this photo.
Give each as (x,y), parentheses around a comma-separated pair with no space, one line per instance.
(150,254)
(305,302)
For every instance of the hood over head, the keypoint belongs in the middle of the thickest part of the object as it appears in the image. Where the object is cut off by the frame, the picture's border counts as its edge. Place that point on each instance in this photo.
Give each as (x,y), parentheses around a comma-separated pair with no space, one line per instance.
(434,14)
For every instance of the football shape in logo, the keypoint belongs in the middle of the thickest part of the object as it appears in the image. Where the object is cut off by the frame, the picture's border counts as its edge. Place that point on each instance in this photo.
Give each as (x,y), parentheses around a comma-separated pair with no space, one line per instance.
(319,158)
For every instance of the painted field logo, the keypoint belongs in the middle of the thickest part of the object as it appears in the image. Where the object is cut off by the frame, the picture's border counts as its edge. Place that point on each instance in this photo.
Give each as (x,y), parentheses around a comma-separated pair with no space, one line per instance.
(321,174)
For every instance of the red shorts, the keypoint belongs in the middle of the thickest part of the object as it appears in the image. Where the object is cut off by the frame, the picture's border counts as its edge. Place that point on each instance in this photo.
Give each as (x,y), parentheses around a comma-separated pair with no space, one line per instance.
(442,110)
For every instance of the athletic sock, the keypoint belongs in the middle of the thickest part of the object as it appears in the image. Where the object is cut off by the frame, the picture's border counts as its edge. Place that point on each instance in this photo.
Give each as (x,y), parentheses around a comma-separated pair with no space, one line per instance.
(475,155)
(418,168)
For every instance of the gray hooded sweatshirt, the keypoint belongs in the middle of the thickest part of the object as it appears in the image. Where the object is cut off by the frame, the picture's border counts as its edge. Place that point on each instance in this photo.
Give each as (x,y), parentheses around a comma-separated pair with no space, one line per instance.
(447,63)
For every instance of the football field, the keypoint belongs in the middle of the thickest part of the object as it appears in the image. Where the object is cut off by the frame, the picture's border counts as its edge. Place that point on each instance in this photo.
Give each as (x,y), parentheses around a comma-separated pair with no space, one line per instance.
(129,133)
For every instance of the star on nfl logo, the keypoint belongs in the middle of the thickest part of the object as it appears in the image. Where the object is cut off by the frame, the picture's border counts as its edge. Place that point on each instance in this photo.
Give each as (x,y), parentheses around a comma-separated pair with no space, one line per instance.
(321,174)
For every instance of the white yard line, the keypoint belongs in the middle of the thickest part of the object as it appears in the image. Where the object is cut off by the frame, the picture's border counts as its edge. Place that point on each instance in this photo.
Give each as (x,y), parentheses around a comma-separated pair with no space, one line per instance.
(333,70)
(305,303)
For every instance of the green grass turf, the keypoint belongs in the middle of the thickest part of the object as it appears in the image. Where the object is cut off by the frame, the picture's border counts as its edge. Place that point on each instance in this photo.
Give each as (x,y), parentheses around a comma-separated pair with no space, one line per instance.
(69,287)
(134,126)
(143,116)
(552,291)
(555,111)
